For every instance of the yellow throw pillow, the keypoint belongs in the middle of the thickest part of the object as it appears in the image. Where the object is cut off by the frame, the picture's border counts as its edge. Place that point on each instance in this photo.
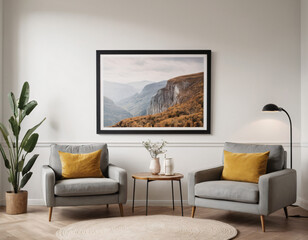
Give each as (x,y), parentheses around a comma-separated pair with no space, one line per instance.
(245,167)
(81,165)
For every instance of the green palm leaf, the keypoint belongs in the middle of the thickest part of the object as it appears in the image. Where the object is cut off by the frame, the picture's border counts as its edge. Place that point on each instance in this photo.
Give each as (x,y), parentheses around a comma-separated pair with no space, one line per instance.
(24,96)
(28,109)
(30,144)
(21,164)
(25,179)
(28,134)
(13,104)
(5,134)
(29,165)
(6,161)
(14,126)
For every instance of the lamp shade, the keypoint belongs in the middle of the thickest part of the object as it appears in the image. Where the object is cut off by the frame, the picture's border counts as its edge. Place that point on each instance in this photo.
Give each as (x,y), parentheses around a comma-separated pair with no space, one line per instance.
(274,108)
(271,108)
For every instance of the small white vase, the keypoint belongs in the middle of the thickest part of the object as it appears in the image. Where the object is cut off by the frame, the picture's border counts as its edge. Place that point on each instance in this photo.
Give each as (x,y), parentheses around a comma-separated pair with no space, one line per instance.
(155,166)
(169,166)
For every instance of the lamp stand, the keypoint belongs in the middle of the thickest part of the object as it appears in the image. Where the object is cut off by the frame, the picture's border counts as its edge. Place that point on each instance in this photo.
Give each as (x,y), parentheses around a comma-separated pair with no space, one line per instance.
(290,135)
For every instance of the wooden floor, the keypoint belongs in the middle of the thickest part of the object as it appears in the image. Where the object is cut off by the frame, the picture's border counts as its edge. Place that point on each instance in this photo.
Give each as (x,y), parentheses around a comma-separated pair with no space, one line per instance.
(35,225)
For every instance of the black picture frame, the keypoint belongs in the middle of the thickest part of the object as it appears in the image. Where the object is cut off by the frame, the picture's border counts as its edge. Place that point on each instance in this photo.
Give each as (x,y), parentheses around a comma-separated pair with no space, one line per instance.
(206,128)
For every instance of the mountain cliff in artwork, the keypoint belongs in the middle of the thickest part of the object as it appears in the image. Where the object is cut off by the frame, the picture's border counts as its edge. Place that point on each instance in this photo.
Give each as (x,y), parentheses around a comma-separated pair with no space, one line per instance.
(178,104)
(138,104)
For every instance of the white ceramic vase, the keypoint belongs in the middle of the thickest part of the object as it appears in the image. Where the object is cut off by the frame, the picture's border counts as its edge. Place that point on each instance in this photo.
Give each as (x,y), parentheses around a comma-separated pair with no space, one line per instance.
(169,166)
(155,166)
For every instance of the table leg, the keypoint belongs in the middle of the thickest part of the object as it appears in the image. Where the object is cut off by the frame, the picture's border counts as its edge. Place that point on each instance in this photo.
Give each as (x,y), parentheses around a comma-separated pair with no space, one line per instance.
(180,185)
(146,208)
(172,195)
(133,206)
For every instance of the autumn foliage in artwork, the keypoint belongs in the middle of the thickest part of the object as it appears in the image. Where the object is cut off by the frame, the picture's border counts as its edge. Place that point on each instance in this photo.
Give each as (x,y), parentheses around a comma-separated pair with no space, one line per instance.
(179,104)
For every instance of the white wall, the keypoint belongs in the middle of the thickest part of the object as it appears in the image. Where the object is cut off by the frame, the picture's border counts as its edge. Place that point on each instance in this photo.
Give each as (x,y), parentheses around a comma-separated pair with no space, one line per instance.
(1,37)
(304,103)
(256,60)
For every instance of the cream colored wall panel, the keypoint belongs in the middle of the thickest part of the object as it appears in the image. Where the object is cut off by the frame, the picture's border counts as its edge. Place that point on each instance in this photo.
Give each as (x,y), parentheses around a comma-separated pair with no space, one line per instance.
(304,104)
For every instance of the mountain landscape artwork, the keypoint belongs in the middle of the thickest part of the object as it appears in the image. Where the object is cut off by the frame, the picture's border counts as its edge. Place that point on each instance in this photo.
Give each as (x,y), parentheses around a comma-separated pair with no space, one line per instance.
(153,91)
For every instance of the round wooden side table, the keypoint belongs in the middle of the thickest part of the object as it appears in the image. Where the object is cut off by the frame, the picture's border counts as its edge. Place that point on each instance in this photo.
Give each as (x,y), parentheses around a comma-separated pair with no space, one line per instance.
(149,177)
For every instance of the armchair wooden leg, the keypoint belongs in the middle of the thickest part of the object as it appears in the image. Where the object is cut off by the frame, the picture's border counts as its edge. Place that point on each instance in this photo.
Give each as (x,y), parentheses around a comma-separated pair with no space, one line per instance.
(50,213)
(121,209)
(286,212)
(193,209)
(262,223)
(107,205)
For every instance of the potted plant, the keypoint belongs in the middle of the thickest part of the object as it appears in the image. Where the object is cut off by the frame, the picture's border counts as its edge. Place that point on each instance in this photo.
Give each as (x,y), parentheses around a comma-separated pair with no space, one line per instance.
(155,149)
(17,150)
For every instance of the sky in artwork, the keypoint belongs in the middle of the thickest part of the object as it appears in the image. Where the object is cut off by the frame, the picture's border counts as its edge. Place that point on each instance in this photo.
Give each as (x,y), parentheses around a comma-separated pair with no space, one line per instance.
(126,69)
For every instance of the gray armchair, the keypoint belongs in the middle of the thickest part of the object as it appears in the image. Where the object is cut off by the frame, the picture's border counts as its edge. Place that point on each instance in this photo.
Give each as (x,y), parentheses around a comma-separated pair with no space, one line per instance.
(275,190)
(83,191)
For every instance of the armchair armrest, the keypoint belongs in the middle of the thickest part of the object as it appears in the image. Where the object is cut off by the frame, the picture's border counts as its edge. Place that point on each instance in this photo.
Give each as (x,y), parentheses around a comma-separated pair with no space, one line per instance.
(120,175)
(195,177)
(277,190)
(48,184)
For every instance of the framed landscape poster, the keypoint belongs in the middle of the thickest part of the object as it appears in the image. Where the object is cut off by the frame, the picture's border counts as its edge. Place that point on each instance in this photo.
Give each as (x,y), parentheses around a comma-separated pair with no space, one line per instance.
(153,91)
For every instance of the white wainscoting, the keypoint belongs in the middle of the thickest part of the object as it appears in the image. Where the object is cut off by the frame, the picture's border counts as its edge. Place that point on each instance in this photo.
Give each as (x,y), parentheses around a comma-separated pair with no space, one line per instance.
(133,157)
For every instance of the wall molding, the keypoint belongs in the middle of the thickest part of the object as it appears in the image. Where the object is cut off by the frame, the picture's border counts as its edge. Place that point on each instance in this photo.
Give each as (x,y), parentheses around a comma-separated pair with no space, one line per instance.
(304,144)
(169,144)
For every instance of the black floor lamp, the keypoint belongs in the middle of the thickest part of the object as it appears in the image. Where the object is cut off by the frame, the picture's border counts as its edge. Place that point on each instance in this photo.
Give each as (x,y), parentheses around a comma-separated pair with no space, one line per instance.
(274,108)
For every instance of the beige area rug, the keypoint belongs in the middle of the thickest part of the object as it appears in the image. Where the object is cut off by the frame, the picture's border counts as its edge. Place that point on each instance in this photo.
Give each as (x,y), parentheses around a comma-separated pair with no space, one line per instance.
(157,227)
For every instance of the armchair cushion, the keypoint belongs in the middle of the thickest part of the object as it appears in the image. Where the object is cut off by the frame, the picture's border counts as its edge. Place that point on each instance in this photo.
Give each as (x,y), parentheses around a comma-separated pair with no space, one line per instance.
(276,157)
(198,176)
(228,190)
(244,167)
(55,162)
(86,165)
(85,187)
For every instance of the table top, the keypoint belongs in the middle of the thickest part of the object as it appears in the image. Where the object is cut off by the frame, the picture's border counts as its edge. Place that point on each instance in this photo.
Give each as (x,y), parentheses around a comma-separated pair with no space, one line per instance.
(150,176)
